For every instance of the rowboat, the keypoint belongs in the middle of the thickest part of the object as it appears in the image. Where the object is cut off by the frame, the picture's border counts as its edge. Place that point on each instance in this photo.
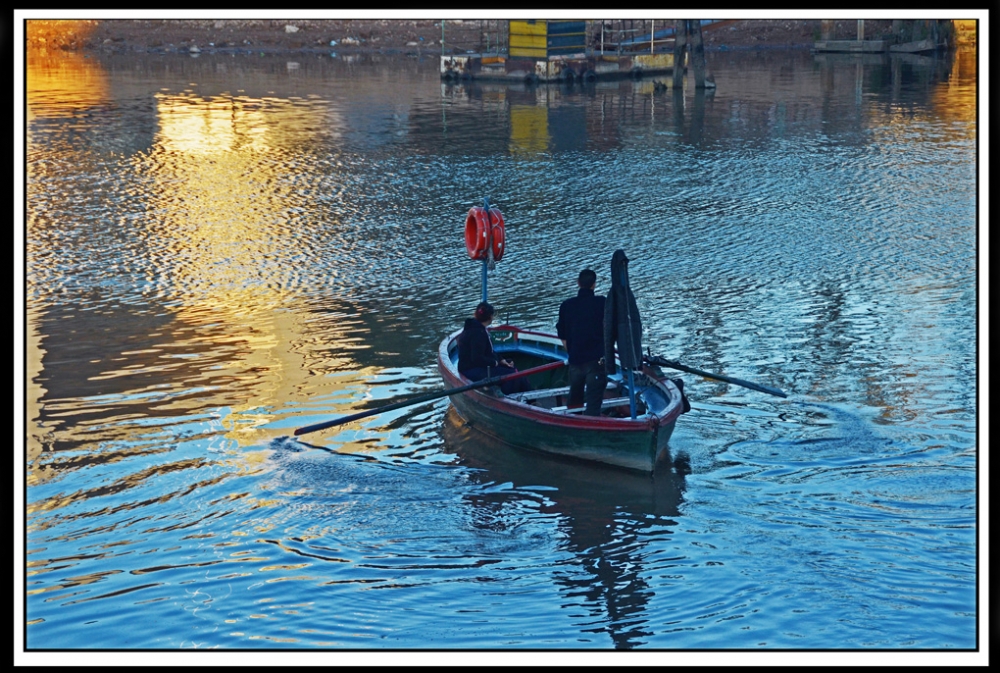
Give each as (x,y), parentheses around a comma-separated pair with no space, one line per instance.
(631,432)
(640,405)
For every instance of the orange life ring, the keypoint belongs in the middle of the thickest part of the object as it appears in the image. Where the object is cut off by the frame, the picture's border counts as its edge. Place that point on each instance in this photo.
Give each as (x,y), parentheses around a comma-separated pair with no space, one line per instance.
(484,233)
(497,234)
(477,234)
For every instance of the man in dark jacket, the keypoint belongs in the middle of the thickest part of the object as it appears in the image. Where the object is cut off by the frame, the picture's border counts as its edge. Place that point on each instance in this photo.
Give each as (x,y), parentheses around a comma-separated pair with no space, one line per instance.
(476,359)
(581,328)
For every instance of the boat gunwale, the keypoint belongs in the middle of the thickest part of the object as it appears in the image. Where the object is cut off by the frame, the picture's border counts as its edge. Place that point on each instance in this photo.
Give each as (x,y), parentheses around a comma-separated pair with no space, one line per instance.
(543,416)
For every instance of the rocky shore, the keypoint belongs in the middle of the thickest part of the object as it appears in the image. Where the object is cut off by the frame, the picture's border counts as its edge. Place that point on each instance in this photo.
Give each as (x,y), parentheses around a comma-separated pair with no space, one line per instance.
(407,36)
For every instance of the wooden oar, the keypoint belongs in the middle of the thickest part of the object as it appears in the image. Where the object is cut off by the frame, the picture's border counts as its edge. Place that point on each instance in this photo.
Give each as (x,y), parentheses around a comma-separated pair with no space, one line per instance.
(663,362)
(428,397)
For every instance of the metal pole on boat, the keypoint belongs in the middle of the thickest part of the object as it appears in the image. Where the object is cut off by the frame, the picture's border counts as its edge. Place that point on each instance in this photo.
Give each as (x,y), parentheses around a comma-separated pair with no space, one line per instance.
(486,207)
(631,372)
(631,393)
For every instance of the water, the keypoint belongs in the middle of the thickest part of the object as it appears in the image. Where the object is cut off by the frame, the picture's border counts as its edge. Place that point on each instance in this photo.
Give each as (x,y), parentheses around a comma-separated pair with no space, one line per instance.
(221,249)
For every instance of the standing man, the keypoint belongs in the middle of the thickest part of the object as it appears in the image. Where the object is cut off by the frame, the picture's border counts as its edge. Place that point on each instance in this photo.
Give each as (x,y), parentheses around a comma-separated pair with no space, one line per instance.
(581,328)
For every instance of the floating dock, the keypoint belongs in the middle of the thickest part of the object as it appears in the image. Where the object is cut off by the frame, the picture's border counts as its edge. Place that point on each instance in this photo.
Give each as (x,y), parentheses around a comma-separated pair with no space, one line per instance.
(877,47)
(851,46)
(540,51)
(916,47)
(568,69)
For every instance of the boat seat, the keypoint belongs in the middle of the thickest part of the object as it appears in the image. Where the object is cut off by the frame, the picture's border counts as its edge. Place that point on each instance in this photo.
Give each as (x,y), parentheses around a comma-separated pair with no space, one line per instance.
(538,394)
(608,403)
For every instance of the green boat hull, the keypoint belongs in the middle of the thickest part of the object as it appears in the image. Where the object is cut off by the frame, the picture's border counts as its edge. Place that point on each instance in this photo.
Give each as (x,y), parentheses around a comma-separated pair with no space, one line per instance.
(632,443)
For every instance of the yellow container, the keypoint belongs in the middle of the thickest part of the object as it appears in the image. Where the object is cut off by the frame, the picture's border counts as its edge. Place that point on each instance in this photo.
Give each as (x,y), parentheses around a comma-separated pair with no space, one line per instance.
(541,39)
(533,41)
(532,27)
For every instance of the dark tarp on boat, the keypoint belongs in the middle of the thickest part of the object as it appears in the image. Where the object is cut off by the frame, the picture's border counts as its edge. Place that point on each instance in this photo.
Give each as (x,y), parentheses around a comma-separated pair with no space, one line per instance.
(621,320)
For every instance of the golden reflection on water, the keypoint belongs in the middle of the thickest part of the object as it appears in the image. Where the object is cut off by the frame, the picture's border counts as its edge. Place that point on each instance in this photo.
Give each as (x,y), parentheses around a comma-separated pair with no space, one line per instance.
(220,205)
(956,97)
(197,127)
(952,93)
(217,217)
(63,85)
(55,86)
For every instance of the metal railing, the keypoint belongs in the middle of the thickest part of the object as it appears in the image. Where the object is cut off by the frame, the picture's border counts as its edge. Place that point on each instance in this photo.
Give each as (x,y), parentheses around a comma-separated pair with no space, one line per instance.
(488,37)
(624,36)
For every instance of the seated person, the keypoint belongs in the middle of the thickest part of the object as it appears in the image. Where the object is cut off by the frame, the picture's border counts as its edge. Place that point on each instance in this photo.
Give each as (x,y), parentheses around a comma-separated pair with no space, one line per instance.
(476,359)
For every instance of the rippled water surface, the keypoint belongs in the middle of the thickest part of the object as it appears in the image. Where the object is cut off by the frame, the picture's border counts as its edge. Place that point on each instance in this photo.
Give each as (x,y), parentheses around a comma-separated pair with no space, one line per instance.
(219,250)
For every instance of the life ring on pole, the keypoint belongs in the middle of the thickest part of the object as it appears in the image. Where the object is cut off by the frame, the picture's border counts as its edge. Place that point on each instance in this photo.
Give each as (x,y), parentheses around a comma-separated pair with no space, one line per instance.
(484,233)
(497,236)
(477,233)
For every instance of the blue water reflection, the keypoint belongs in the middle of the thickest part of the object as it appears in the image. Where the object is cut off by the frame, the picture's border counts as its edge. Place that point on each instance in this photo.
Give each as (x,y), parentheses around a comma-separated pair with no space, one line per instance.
(221,250)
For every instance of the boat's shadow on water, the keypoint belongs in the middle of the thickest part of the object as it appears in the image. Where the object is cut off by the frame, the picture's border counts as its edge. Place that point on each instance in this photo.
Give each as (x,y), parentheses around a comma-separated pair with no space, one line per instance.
(606,514)
(577,487)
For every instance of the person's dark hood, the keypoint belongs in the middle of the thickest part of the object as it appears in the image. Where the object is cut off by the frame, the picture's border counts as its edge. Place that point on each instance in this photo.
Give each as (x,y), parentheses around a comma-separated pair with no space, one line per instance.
(622,325)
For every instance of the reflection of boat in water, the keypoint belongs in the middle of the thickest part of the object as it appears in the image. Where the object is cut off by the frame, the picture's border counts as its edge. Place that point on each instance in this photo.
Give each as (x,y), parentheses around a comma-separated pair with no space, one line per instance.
(582,488)
(605,518)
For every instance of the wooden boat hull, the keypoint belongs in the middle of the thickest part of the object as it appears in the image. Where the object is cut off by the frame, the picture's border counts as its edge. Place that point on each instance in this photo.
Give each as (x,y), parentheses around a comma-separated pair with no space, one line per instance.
(586,490)
(626,442)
